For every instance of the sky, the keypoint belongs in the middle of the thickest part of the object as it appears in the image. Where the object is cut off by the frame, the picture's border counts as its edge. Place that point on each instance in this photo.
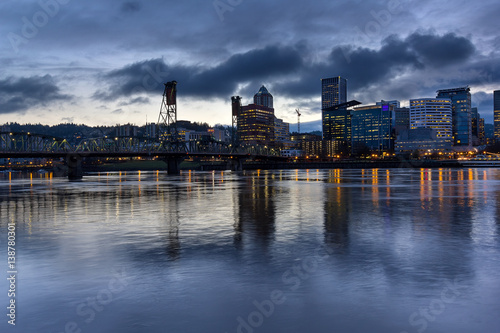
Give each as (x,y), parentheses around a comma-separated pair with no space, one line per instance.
(104,62)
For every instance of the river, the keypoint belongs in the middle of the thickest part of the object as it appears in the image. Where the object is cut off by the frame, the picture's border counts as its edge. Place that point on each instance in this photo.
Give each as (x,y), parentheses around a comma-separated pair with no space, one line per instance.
(378,250)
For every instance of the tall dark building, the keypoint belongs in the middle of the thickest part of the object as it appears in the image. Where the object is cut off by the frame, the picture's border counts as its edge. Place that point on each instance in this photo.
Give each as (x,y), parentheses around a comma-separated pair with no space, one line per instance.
(263,97)
(337,125)
(333,92)
(461,114)
(477,128)
(371,127)
(402,119)
(496,113)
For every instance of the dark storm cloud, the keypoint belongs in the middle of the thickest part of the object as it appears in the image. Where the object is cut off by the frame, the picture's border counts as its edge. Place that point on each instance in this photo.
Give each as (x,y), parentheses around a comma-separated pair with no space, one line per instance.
(364,67)
(220,81)
(290,73)
(441,50)
(21,94)
(141,77)
(131,6)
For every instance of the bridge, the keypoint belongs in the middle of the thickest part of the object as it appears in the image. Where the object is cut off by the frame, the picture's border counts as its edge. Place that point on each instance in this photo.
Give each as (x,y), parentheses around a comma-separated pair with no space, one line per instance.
(166,146)
(31,145)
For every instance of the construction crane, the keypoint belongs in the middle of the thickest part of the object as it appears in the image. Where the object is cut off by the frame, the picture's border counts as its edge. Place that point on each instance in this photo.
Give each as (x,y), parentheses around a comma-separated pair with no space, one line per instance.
(298,117)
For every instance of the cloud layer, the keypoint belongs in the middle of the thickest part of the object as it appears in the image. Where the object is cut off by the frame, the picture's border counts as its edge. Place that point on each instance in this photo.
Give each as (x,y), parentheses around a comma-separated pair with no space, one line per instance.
(120,53)
(25,93)
(291,73)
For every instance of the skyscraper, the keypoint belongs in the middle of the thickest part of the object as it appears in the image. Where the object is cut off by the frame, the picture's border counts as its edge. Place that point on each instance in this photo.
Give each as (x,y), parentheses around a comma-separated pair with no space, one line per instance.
(263,97)
(256,121)
(496,113)
(461,114)
(333,91)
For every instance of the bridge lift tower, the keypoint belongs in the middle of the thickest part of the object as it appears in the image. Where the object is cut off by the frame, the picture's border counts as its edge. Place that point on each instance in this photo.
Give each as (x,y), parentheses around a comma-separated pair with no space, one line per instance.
(236,106)
(167,119)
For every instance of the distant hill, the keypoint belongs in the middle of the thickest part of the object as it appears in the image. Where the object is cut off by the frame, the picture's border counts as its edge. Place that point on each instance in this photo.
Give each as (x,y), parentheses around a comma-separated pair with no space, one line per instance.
(307,127)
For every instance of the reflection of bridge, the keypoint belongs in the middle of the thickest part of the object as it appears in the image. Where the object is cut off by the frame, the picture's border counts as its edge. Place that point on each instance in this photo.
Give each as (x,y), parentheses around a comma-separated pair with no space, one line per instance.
(29,145)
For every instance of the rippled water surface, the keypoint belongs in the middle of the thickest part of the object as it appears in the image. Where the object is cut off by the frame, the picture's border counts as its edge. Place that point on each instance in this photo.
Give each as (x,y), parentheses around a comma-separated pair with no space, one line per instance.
(264,251)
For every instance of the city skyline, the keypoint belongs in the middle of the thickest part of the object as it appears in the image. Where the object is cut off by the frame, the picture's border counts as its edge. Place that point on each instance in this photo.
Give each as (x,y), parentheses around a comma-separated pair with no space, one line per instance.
(104,63)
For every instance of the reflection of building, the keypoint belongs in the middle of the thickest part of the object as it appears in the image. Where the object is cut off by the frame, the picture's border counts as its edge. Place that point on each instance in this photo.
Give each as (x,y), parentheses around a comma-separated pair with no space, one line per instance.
(371,127)
(496,113)
(338,207)
(461,109)
(432,113)
(256,210)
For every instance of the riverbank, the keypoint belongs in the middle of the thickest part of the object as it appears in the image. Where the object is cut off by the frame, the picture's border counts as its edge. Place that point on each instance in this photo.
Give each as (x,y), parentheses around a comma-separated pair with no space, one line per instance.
(253,165)
(154,165)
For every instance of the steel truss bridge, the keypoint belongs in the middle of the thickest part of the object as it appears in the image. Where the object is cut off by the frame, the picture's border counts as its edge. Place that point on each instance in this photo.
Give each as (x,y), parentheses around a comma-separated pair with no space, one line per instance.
(30,145)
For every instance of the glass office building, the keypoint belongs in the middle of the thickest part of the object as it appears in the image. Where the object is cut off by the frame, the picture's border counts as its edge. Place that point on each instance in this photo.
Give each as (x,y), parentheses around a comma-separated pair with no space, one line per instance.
(461,114)
(372,127)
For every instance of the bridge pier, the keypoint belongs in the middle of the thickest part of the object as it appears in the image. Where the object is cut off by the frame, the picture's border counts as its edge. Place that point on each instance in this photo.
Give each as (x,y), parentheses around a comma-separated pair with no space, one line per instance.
(173,165)
(236,164)
(74,163)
